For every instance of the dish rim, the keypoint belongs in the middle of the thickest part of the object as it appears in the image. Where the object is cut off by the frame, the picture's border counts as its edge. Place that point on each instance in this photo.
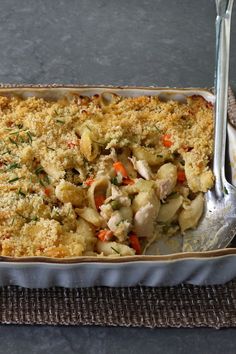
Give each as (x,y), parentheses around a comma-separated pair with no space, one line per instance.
(124,259)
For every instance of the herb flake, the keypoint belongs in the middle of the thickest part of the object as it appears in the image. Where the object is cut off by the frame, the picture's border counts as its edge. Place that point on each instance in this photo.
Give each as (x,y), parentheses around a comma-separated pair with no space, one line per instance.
(30,137)
(28,219)
(39,170)
(115,250)
(42,183)
(7,152)
(158,129)
(19,192)
(13,142)
(46,178)
(114,181)
(60,121)
(15,133)
(13,166)
(88,127)
(13,179)
(226,191)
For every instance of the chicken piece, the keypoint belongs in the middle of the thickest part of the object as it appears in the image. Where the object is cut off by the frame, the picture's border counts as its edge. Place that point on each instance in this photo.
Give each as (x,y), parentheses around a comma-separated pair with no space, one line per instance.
(146,207)
(114,221)
(164,188)
(106,211)
(119,225)
(166,180)
(142,167)
(144,221)
(117,195)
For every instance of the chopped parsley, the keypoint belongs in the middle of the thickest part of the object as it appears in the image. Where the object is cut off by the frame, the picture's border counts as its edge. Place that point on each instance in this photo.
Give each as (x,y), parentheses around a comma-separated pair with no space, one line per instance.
(159,130)
(29,136)
(226,191)
(13,166)
(13,179)
(115,204)
(44,181)
(46,178)
(28,219)
(60,121)
(15,133)
(115,250)
(19,192)
(13,142)
(7,152)
(39,170)
(114,181)
(21,139)
(88,127)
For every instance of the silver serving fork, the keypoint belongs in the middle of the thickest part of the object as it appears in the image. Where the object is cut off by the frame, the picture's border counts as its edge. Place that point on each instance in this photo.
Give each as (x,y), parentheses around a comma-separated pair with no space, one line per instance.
(217,227)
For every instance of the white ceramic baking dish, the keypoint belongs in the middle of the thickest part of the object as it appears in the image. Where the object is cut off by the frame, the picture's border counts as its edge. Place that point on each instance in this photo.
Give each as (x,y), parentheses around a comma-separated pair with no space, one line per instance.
(212,267)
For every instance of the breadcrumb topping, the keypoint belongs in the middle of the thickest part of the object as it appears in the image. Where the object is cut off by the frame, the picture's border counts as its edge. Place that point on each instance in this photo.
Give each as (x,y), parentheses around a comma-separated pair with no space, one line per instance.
(54,156)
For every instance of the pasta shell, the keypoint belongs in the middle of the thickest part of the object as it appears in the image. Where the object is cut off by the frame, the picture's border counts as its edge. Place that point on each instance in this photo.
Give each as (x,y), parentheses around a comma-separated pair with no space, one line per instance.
(88,147)
(126,213)
(144,198)
(169,209)
(148,155)
(146,206)
(190,215)
(67,192)
(114,249)
(100,186)
(87,232)
(108,98)
(91,215)
(167,179)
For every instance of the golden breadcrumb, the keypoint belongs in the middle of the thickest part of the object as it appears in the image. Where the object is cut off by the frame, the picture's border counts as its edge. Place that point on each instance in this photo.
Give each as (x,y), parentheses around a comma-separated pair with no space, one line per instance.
(57,159)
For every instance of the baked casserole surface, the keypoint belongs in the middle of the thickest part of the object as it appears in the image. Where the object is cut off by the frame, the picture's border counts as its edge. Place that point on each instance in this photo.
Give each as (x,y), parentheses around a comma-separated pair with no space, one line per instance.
(103,175)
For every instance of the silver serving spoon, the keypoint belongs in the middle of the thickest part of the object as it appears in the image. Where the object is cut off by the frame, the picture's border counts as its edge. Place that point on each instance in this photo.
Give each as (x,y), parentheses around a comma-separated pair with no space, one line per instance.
(218,224)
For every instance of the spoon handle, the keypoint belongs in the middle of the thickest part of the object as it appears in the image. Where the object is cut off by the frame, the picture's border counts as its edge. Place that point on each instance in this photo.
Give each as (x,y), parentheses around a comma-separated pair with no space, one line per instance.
(223,22)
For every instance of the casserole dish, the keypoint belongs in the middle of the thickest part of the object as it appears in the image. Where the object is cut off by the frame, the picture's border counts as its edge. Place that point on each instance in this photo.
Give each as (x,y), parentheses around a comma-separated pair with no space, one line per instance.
(170,269)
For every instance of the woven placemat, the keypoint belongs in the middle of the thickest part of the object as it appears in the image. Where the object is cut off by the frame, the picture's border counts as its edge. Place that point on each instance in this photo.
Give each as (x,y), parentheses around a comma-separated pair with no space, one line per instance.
(180,306)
